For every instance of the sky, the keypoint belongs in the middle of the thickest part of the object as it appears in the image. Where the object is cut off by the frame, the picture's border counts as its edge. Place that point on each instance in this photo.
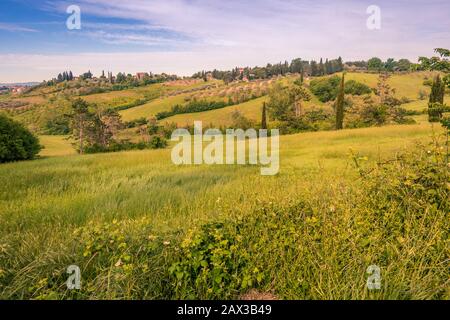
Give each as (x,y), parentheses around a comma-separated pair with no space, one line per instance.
(185,36)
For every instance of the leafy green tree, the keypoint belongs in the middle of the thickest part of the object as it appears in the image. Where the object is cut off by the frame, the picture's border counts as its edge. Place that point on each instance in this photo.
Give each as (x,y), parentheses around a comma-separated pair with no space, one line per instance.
(80,121)
(16,142)
(390,65)
(285,102)
(375,64)
(340,105)
(404,65)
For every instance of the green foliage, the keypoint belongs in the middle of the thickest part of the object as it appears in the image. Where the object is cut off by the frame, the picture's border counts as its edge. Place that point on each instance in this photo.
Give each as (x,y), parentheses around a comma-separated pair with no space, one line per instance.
(327,89)
(357,88)
(193,106)
(285,102)
(375,64)
(436,105)
(264,117)
(16,142)
(59,125)
(136,123)
(340,105)
(401,204)
(156,142)
(212,266)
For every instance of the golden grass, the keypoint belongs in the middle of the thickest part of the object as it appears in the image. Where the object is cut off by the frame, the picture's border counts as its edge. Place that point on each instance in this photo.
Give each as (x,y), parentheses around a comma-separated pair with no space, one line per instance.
(56,146)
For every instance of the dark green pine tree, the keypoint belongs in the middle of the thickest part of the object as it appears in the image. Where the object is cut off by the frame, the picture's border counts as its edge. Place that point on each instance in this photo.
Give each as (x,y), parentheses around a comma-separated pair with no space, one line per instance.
(340,65)
(340,105)
(314,69)
(264,117)
(436,101)
(321,68)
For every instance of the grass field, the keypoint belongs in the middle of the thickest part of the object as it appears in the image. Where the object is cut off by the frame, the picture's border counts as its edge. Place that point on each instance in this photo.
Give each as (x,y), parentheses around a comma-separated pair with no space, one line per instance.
(46,203)
(56,146)
(140,227)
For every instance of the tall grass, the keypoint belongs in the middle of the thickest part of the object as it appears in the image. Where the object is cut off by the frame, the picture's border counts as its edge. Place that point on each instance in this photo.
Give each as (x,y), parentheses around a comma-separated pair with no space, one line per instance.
(128,220)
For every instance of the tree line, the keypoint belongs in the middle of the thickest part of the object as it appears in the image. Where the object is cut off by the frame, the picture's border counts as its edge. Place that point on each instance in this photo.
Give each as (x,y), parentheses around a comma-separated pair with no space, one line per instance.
(298,65)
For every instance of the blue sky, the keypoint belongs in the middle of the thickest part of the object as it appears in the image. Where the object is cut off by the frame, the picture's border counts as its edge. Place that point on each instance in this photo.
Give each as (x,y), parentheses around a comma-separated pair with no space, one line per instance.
(183,36)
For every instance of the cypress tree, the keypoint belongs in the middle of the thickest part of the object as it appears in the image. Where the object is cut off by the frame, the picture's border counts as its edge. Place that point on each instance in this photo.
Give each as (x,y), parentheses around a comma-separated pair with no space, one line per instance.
(436,100)
(321,68)
(264,117)
(340,105)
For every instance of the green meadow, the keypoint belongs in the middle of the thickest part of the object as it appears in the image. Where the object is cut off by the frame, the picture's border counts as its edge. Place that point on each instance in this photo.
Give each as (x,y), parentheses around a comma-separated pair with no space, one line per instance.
(127,218)
(140,227)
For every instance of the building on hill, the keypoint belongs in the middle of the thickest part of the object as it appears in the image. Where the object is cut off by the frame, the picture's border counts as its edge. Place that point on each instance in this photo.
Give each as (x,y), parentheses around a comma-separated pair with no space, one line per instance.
(141,75)
(209,76)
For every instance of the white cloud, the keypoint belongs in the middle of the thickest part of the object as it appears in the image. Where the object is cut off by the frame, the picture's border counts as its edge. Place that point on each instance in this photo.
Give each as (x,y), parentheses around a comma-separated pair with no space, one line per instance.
(192,35)
(15,28)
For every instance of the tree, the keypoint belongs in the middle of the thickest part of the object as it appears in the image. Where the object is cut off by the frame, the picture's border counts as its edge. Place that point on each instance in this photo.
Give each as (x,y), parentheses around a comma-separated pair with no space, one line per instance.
(264,117)
(441,63)
(322,70)
(390,65)
(121,77)
(340,105)
(285,102)
(404,65)
(16,142)
(80,120)
(436,102)
(340,65)
(375,64)
(314,69)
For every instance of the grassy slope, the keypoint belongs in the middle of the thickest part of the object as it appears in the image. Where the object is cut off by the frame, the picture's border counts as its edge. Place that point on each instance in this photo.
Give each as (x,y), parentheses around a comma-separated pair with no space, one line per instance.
(407,85)
(55,146)
(152,108)
(43,201)
(220,117)
(132,184)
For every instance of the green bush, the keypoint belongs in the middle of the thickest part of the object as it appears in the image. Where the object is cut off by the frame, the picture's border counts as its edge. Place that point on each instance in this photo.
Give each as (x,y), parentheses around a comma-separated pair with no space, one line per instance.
(156,142)
(356,88)
(58,126)
(326,89)
(193,106)
(16,142)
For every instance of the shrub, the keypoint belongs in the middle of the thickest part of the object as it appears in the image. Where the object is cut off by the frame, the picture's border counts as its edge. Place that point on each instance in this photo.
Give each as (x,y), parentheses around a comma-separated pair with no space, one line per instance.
(155,143)
(356,88)
(16,142)
(58,126)
(193,106)
(327,89)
